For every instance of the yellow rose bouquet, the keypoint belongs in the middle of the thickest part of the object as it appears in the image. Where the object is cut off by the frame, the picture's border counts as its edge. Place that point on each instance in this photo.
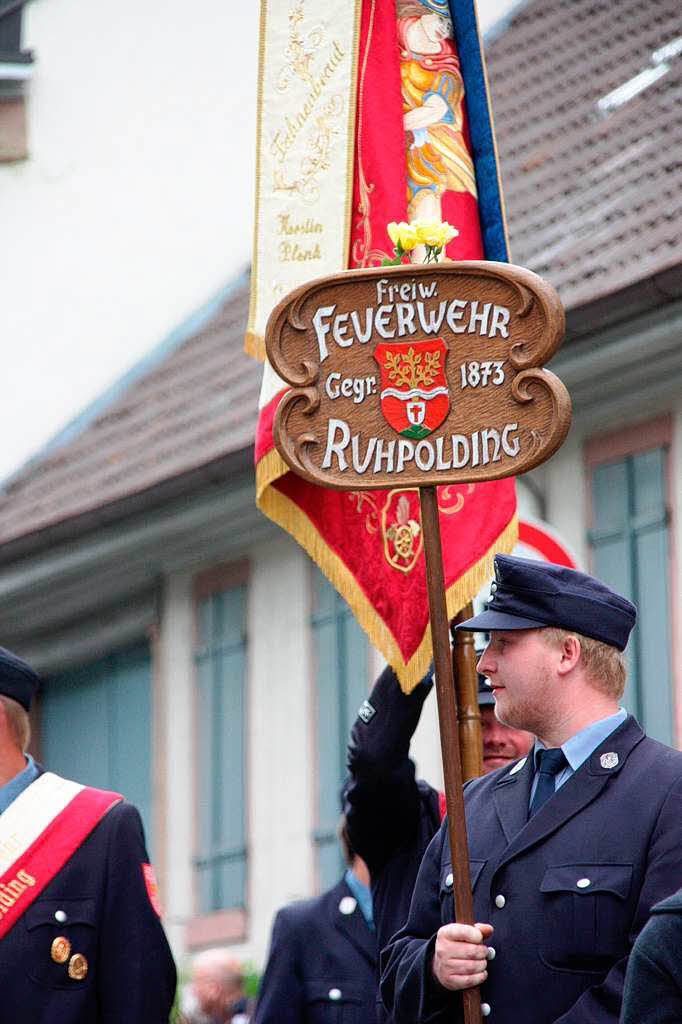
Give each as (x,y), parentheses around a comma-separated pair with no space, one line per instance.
(433,235)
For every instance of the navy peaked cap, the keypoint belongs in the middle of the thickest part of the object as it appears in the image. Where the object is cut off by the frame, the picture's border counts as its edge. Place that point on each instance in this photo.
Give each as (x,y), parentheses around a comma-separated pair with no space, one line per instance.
(17,678)
(526,594)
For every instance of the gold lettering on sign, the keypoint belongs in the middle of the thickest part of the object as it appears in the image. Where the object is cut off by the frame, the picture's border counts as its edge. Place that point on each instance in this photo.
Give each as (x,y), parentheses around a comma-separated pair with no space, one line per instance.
(404,377)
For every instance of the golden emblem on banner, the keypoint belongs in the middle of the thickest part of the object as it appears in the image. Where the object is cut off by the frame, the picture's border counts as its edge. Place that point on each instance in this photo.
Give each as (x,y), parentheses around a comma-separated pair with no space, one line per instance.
(402,533)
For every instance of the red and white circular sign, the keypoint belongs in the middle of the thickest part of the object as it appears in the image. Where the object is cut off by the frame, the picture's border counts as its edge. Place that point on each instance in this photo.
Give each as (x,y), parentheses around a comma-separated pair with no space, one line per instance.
(540,541)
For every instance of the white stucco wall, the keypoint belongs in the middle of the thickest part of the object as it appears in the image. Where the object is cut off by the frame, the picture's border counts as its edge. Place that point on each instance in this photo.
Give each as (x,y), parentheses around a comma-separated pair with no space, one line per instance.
(280,759)
(175,781)
(128,215)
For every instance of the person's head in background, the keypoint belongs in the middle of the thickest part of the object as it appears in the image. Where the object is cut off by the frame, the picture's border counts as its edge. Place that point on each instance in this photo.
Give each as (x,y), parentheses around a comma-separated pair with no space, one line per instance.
(217,983)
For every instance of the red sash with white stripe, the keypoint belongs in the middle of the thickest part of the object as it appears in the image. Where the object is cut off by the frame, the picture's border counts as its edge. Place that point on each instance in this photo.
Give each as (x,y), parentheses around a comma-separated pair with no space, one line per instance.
(39,832)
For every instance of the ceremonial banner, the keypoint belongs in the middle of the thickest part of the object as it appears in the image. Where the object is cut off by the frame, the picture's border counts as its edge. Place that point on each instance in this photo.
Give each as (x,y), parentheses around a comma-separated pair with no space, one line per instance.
(304,163)
(412,160)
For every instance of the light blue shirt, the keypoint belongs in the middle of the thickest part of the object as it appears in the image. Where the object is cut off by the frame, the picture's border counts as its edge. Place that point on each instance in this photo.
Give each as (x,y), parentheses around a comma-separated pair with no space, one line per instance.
(11,790)
(579,747)
(362,895)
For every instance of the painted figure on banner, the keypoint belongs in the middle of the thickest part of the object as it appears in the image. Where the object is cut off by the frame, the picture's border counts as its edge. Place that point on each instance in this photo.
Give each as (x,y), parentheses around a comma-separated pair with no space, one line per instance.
(438,159)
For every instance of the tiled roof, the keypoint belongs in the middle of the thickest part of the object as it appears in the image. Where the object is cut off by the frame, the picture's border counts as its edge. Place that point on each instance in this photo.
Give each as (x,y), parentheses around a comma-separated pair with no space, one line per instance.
(593,198)
(199,403)
(593,187)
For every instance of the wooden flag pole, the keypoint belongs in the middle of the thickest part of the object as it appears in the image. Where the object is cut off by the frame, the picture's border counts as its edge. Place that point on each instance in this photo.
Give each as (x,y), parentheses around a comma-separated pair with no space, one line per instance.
(386,411)
(447,718)
(466,690)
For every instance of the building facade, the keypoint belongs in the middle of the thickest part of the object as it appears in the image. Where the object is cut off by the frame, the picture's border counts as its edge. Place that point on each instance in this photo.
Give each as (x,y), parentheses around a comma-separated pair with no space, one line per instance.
(193,657)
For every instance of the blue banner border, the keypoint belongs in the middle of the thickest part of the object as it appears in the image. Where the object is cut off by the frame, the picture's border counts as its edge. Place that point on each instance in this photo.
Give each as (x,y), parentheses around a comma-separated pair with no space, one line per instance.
(490,202)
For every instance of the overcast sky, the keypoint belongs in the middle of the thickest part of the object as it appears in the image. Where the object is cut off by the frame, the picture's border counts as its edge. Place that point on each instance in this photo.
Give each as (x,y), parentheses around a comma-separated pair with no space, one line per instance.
(36,408)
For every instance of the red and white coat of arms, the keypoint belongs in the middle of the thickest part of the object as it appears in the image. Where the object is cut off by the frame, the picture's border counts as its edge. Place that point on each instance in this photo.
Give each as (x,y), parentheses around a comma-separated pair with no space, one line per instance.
(413,386)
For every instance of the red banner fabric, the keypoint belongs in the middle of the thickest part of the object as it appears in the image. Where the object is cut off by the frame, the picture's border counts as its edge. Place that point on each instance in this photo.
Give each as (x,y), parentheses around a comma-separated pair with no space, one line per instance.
(412,160)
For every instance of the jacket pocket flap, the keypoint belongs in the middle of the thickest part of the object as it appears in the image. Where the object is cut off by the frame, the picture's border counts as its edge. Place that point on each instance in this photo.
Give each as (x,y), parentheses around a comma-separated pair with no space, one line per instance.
(43,912)
(586,878)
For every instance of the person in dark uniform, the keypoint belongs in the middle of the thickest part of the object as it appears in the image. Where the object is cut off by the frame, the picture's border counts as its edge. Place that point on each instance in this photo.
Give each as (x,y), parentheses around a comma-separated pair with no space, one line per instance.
(81,940)
(653,983)
(571,847)
(322,962)
(391,815)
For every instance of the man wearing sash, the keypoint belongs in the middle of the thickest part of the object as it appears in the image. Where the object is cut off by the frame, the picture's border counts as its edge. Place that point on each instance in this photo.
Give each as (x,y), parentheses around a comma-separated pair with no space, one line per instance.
(81,940)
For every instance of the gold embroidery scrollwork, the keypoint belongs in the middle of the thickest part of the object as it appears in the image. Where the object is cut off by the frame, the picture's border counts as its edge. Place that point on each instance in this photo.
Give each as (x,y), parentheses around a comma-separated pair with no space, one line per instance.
(297,55)
(360,499)
(452,498)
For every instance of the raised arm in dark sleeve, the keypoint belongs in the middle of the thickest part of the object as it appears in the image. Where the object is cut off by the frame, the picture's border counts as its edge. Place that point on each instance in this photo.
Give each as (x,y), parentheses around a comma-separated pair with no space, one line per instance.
(383,803)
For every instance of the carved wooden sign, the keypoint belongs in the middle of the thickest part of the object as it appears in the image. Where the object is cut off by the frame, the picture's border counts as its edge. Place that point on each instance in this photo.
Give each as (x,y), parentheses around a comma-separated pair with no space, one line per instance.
(416,375)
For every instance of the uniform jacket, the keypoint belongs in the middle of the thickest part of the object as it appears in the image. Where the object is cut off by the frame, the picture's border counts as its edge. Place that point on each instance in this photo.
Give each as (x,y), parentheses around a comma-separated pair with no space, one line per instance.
(322,965)
(391,816)
(653,983)
(566,891)
(110,920)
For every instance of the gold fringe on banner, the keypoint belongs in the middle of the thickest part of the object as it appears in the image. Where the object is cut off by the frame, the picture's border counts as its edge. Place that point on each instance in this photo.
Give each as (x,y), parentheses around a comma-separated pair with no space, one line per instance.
(281,510)
(254,345)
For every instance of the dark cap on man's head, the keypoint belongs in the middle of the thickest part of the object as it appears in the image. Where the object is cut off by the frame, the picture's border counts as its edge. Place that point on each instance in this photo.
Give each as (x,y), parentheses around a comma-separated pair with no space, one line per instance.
(526,594)
(17,678)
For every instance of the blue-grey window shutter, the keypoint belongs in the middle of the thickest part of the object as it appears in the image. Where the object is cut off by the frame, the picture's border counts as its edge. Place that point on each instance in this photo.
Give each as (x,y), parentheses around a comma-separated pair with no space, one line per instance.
(630,552)
(221,668)
(341,660)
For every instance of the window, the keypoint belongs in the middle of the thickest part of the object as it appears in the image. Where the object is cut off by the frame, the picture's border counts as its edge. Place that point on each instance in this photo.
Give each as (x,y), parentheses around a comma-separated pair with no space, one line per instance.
(341,667)
(96,727)
(630,551)
(15,69)
(220,659)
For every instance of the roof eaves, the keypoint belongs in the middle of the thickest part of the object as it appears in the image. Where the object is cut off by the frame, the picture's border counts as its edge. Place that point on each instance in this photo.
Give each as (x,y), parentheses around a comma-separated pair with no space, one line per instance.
(191,325)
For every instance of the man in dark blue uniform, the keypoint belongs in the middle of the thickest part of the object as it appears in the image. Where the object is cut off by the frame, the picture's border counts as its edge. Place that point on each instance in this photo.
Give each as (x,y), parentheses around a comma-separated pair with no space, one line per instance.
(391,815)
(571,847)
(322,962)
(81,939)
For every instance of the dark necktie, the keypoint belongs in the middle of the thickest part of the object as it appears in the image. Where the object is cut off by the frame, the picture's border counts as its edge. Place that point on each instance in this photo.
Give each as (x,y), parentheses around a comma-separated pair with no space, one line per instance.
(550,763)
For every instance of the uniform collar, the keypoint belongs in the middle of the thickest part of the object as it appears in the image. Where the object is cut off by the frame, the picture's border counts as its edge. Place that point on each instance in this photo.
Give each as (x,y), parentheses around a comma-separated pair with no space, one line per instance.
(578,748)
(11,790)
(362,895)
(511,792)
